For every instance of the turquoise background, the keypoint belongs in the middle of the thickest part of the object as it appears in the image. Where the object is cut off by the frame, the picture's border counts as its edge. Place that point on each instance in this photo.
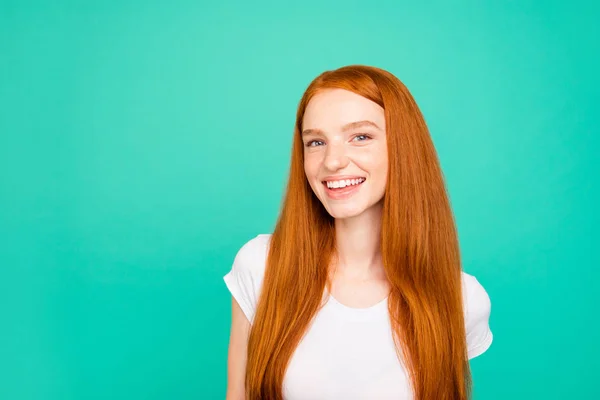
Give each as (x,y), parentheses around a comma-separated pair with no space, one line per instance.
(143,142)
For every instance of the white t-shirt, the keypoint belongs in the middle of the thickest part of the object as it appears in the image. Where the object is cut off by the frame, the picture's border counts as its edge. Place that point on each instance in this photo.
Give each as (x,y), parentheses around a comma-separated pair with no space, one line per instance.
(348,353)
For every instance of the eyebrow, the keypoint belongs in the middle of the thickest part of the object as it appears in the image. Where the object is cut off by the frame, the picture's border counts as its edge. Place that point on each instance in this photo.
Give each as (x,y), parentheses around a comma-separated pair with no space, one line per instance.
(347,127)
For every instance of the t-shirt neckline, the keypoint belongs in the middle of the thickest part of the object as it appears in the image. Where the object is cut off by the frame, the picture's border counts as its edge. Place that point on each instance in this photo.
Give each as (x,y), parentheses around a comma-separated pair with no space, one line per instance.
(358,313)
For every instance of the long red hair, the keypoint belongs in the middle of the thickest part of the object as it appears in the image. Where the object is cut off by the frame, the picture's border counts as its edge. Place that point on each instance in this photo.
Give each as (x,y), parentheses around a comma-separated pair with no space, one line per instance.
(419,245)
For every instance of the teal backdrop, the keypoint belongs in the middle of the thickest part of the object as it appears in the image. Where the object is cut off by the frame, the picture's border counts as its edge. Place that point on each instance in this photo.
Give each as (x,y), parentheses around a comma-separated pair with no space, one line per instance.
(143,142)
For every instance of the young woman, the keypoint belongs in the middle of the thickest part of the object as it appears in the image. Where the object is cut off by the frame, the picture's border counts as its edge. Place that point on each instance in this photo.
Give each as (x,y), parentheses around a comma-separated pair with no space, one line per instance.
(359,292)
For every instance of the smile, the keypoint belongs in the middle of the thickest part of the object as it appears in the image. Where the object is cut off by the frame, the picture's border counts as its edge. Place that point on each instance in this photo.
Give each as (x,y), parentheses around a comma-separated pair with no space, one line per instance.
(343,183)
(342,189)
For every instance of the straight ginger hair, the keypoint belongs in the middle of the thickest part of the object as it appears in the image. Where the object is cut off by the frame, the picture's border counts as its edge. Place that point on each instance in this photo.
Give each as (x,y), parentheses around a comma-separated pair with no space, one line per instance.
(419,246)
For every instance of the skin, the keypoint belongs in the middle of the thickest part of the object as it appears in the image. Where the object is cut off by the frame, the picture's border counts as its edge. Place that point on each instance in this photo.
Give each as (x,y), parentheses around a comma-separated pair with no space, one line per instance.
(358,278)
(333,148)
(238,349)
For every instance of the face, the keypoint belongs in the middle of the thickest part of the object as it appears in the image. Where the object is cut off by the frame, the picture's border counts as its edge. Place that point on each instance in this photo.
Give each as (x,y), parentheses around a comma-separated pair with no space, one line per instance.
(345,151)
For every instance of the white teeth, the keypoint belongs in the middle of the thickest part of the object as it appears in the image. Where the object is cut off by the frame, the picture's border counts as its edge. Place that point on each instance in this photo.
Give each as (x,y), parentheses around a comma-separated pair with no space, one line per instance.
(344,183)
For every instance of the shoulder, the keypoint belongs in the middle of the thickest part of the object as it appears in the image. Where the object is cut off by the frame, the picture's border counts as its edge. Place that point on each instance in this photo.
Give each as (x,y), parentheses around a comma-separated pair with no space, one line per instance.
(245,278)
(477,307)
(252,256)
(474,294)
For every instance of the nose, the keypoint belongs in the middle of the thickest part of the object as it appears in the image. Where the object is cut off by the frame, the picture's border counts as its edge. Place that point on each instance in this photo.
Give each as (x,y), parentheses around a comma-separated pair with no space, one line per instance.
(335,156)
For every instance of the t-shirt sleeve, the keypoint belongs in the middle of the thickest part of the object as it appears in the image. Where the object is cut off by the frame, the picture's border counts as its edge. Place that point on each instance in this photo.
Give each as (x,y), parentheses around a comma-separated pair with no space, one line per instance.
(477,306)
(244,280)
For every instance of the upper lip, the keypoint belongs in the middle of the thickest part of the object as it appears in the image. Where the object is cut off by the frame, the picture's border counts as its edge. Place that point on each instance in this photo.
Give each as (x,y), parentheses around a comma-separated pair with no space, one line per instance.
(341,178)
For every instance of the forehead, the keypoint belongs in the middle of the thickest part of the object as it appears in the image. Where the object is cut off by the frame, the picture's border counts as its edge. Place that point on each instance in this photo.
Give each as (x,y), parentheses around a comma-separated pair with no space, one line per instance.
(333,108)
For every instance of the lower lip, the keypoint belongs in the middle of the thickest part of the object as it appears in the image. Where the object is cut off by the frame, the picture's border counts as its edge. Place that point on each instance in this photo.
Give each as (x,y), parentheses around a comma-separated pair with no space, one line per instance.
(340,194)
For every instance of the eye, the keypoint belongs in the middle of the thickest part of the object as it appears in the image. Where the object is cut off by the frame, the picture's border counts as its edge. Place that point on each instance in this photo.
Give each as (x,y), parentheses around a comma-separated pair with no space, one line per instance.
(310,144)
(362,135)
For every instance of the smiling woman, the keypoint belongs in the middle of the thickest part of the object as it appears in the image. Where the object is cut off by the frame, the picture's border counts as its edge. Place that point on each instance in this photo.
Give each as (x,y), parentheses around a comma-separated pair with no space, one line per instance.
(344,137)
(359,291)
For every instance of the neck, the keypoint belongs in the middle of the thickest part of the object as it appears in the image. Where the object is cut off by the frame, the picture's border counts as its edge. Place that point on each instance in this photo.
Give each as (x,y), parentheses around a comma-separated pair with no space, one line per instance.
(358,245)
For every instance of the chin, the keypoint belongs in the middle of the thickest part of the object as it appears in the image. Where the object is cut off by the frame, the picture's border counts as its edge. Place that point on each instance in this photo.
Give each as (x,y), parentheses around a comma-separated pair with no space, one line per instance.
(341,212)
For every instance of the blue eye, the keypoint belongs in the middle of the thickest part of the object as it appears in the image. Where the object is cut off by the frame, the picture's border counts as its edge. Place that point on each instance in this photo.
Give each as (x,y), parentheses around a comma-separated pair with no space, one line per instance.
(362,135)
(315,143)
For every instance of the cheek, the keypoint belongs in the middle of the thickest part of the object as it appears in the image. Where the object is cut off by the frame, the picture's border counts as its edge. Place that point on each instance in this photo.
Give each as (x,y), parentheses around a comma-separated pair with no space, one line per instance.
(311,166)
(383,166)
(311,172)
(373,162)
(380,161)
